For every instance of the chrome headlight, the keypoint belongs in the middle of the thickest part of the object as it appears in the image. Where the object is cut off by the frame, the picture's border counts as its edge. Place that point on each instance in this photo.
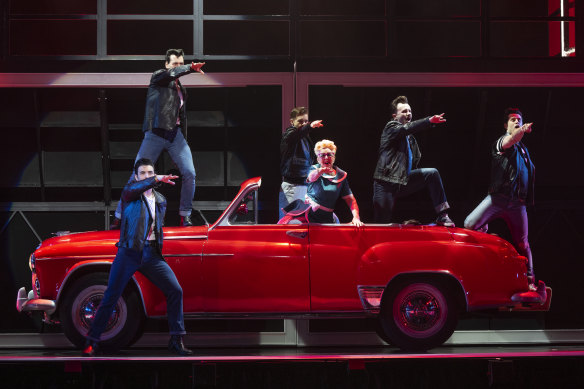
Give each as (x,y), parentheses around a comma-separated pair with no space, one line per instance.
(31,262)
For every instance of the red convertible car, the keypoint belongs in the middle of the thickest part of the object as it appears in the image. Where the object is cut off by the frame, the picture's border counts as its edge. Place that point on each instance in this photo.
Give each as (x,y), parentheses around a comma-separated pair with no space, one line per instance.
(416,279)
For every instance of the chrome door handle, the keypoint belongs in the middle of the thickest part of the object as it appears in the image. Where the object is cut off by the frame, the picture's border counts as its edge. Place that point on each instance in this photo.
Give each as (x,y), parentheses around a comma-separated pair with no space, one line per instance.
(297,234)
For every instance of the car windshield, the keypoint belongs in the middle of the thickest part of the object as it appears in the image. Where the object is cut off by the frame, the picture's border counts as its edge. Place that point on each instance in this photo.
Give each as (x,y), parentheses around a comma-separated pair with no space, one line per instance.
(246,210)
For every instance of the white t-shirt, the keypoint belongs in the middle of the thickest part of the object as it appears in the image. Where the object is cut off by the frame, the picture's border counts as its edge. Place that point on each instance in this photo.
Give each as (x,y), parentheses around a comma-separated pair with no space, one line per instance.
(151,200)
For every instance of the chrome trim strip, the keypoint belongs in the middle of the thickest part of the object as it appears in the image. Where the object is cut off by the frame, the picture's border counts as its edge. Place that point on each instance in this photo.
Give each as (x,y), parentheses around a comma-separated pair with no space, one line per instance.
(199,255)
(186,237)
(78,257)
(182,255)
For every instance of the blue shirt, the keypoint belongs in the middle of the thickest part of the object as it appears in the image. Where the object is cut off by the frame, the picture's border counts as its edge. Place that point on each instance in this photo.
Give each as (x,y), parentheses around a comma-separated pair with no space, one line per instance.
(326,191)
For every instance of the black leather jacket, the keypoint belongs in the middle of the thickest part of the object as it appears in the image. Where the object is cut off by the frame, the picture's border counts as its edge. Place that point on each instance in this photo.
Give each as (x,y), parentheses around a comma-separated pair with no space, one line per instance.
(392,164)
(295,165)
(163,101)
(504,172)
(136,218)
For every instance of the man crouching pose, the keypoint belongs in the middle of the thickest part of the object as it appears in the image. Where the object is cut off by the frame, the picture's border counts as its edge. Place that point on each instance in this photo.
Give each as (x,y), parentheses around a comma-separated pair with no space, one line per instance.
(140,249)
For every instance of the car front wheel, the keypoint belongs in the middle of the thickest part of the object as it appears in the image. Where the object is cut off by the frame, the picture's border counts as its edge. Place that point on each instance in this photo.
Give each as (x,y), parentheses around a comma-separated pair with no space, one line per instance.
(80,306)
(418,316)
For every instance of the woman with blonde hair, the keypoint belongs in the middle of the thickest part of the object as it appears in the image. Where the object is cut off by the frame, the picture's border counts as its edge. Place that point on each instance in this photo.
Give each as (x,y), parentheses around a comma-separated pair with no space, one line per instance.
(326,183)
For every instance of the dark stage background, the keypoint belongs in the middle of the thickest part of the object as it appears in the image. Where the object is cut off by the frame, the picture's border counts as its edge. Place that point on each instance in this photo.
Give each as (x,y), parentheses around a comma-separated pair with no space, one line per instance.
(53,138)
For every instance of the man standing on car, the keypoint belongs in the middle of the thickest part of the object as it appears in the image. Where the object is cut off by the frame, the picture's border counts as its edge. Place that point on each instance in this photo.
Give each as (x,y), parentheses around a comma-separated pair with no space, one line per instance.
(140,249)
(296,151)
(396,174)
(511,188)
(165,121)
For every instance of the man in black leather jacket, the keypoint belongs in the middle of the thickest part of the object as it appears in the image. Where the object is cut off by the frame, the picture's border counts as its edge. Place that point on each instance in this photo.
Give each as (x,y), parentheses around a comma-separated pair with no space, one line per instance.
(296,152)
(511,188)
(165,121)
(140,249)
(396,174)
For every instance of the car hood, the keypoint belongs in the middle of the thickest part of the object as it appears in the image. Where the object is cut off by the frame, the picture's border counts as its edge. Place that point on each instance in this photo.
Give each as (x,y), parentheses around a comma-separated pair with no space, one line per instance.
(100,243)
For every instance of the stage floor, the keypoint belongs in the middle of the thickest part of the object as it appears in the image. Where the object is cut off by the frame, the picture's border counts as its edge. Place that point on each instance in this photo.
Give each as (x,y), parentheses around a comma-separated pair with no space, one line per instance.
(298,354)
(477,367)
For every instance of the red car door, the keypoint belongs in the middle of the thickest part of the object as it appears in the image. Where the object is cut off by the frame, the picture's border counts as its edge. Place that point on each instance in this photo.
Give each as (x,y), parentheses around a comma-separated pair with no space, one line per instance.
(256,268)
(335,251)
(182,249)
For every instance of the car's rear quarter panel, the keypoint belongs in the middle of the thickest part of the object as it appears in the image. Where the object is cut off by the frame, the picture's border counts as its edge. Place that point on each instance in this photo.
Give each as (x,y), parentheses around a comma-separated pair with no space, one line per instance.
(489,271)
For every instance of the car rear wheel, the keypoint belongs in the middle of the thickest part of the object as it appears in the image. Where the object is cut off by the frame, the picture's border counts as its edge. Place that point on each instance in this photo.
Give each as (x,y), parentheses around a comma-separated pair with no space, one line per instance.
(80,305)
(418,316)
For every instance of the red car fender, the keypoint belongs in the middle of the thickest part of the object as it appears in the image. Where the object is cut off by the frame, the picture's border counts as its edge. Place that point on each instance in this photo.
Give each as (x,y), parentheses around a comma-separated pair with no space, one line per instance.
(387,262)
(384,261)
(476,269)
(142,284)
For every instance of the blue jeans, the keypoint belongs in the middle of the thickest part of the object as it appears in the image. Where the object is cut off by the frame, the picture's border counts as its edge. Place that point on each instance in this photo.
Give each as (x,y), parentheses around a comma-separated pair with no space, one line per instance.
(152,265)
(513,212)
(385,193)
(289,193)
(180,152)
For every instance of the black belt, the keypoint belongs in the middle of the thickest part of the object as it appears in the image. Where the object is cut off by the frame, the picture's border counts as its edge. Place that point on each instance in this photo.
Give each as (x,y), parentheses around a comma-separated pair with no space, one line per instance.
(169,135)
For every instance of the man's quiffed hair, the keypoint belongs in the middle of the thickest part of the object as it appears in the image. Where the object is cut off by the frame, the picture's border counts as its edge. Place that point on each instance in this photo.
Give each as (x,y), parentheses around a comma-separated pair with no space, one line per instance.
(510,111)
(396,101)
(142,162)
(177,52)
(298,111)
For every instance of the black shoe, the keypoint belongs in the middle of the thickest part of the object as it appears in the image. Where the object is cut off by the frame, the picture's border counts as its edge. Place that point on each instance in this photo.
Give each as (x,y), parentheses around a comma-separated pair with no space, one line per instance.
(115,224)
(176,345)
(90,349)
(185,221)
(535,294)
(444,220)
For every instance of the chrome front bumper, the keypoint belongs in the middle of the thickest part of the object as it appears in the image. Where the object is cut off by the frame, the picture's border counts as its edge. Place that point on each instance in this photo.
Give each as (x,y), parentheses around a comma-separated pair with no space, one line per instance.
(27,303)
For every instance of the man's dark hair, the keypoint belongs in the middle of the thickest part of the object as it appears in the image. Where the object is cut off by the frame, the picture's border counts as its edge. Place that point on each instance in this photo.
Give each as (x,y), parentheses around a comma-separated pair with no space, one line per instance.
(298,111)
(177,52)
(396,101)
(142,162)
(510,111)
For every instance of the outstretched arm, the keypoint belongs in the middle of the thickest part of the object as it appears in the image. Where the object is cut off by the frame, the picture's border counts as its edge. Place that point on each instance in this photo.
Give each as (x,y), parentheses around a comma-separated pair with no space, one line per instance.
(316,123)
(196,67)
(394,129)
(163,76)
(293,135)
(167,179)
(352,203)
(315,173)
(515,135)
(437,119)
(134,189)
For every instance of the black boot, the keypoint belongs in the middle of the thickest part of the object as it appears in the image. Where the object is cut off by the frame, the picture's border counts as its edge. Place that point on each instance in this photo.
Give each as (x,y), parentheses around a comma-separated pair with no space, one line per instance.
(185,221)
(444,220)
(176,345)
(90,349)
